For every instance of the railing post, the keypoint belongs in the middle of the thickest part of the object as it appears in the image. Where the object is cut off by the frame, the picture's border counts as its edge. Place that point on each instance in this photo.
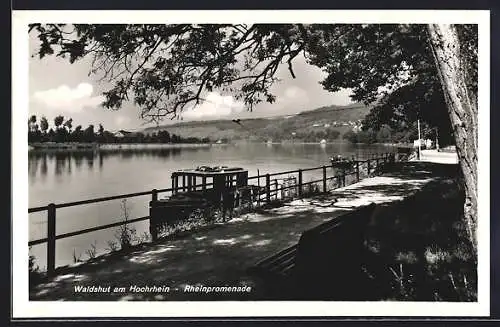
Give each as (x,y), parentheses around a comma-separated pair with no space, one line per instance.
(268,188)
(276,189)
(357,171)
(324,179)
(153,230)
(300,183)
(51,239)
(176,185)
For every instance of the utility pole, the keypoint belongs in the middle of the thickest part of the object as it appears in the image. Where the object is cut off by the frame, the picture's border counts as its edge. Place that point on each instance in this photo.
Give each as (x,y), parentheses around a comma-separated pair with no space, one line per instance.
(419,139)
(437,139)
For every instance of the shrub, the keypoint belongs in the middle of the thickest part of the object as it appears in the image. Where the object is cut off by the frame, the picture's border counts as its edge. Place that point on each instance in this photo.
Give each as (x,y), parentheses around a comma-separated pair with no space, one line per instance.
(34,275)
(92,252)
(350,136)
(125,234)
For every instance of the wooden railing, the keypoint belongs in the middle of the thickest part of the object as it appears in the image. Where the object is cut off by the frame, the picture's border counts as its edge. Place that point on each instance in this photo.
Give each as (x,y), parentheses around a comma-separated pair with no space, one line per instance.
(269,192)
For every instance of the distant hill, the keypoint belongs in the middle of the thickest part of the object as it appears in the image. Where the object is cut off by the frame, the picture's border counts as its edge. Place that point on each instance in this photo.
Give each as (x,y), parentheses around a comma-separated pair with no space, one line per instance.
(329,122)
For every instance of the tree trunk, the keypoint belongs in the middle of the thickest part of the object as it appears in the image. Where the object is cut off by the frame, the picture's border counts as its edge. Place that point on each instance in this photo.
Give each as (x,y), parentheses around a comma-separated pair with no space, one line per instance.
(462,109)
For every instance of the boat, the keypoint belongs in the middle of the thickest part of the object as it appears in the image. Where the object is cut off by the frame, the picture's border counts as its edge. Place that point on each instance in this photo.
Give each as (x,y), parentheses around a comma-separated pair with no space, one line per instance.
(341,162)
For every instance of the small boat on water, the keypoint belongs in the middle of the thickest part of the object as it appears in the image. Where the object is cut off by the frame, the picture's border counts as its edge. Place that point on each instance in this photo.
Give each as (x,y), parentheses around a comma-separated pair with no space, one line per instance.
(340,161)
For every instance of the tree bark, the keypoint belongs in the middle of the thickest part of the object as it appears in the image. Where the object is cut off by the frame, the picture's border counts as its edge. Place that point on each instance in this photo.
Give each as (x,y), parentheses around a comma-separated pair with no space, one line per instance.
(462,109)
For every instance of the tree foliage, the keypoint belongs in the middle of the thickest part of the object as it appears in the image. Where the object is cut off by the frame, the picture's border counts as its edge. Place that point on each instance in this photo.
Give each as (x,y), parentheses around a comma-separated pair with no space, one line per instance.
(69,124)
(88,135)
(391,66)
(164,69)
(44,124)
(401,68)
(58,121)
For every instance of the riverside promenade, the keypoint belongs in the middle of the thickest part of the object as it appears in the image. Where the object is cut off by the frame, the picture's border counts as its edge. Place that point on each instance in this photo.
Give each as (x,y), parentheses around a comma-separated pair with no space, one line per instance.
(221,255)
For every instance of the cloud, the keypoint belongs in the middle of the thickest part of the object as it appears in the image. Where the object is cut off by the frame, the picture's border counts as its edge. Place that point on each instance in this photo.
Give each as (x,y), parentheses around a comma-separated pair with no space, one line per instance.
(121,120)
(294,92)
(216,105)
(64,98)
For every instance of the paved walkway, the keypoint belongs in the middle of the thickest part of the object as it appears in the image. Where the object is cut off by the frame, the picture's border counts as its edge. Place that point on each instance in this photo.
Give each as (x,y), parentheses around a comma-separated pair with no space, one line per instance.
(220,256)
(439,157)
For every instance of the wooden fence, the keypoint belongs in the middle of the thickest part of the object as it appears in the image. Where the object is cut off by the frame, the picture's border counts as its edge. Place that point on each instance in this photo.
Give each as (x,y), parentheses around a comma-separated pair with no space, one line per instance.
(270,190)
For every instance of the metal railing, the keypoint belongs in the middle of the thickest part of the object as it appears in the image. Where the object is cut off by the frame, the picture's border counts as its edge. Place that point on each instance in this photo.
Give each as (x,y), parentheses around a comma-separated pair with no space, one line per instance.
(267,190)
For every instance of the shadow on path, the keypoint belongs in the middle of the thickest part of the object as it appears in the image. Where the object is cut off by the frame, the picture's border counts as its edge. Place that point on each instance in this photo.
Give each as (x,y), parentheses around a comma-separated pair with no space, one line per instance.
(221,255)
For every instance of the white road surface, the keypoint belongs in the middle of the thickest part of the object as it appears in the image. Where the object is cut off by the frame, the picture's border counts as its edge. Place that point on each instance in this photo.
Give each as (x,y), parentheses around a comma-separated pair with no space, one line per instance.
(438,157)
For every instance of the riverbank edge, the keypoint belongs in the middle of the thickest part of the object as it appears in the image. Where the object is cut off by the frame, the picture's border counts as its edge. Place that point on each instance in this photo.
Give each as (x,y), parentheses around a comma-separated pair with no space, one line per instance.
(115,146)
(173,236)
(68,269)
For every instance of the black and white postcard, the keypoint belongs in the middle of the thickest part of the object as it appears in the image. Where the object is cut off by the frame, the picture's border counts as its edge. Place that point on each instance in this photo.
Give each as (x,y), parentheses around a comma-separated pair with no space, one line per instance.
(251,163)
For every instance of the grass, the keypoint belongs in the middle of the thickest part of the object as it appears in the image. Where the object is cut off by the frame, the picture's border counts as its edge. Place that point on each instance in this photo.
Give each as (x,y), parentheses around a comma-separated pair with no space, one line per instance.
(126,237)
(125,234)
(419,249)
(416,249)
(35,275)
(76,258)
(197,220)
(92,252)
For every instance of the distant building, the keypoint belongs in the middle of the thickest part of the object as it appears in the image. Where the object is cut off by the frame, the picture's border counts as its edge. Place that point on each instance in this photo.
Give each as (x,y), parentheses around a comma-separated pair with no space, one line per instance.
(122,133)
(426,144)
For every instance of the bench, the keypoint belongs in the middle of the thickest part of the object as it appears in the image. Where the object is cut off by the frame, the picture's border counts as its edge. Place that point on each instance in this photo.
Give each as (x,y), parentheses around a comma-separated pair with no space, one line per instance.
(329,258)
(324,264)
(276,271)
(277,265)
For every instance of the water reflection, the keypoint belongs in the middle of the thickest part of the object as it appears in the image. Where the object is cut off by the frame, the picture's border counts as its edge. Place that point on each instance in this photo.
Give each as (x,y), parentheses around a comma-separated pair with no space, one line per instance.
(66,176)
(43,170)
(63,162)
(78,161)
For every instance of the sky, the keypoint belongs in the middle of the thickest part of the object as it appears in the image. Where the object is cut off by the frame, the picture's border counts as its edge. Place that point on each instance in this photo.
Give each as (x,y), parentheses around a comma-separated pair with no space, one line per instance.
(57,87)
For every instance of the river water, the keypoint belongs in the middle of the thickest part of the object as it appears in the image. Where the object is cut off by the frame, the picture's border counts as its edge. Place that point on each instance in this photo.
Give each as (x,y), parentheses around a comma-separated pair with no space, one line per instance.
(64,176)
